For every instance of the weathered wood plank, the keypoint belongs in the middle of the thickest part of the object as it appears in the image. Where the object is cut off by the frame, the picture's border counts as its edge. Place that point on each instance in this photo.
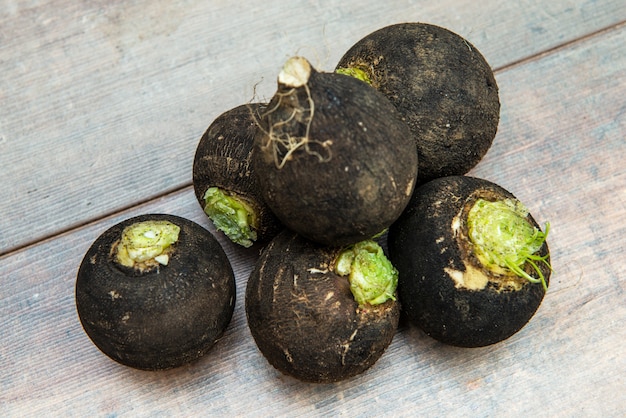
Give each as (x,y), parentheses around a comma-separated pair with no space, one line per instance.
(103,102)
(559,149)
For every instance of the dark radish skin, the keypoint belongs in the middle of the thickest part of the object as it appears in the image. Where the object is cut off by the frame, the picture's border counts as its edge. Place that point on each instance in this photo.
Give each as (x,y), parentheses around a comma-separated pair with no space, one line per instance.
(321,314)
(155,292)
(442,86)
(336,162)
(473,264)
(224,182)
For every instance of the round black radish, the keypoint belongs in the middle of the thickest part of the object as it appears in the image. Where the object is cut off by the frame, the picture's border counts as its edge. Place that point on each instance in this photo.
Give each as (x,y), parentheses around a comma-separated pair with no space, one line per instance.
(224,182)
(155,292)
(473,264)
(335,160)
(442,86)
(322,314)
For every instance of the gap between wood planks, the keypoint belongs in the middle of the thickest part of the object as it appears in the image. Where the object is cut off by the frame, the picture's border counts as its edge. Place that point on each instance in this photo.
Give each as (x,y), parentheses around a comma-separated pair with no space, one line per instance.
(95,219)
(519,62)
(555,49)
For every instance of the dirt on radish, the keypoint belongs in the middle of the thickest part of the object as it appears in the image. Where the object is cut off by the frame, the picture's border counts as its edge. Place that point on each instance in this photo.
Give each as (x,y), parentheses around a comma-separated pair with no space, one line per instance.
(441,85)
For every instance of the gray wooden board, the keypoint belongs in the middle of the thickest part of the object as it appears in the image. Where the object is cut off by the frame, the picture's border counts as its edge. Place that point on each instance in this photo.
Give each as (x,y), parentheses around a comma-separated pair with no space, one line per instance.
(559,148)
(104,102)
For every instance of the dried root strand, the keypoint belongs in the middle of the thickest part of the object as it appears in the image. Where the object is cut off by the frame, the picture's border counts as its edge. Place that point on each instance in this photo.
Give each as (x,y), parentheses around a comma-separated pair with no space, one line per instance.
(283,144)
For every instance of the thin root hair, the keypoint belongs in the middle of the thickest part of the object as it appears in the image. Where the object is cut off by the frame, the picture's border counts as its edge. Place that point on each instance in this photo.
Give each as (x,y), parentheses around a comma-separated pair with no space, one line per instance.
(282,144)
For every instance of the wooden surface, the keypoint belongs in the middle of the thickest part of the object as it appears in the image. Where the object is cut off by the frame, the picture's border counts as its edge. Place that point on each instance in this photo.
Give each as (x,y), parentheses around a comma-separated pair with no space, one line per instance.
(102,104)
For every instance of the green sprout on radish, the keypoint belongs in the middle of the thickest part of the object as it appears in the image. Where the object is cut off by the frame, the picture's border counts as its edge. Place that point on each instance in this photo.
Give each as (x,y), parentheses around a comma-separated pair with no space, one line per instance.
(231,215)
(146,244)
(373,279)
(356,73)
(503,238)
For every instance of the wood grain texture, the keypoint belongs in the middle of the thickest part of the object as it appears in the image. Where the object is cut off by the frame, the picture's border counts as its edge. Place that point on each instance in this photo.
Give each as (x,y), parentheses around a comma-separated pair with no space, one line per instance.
(103,102)
(94,92)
